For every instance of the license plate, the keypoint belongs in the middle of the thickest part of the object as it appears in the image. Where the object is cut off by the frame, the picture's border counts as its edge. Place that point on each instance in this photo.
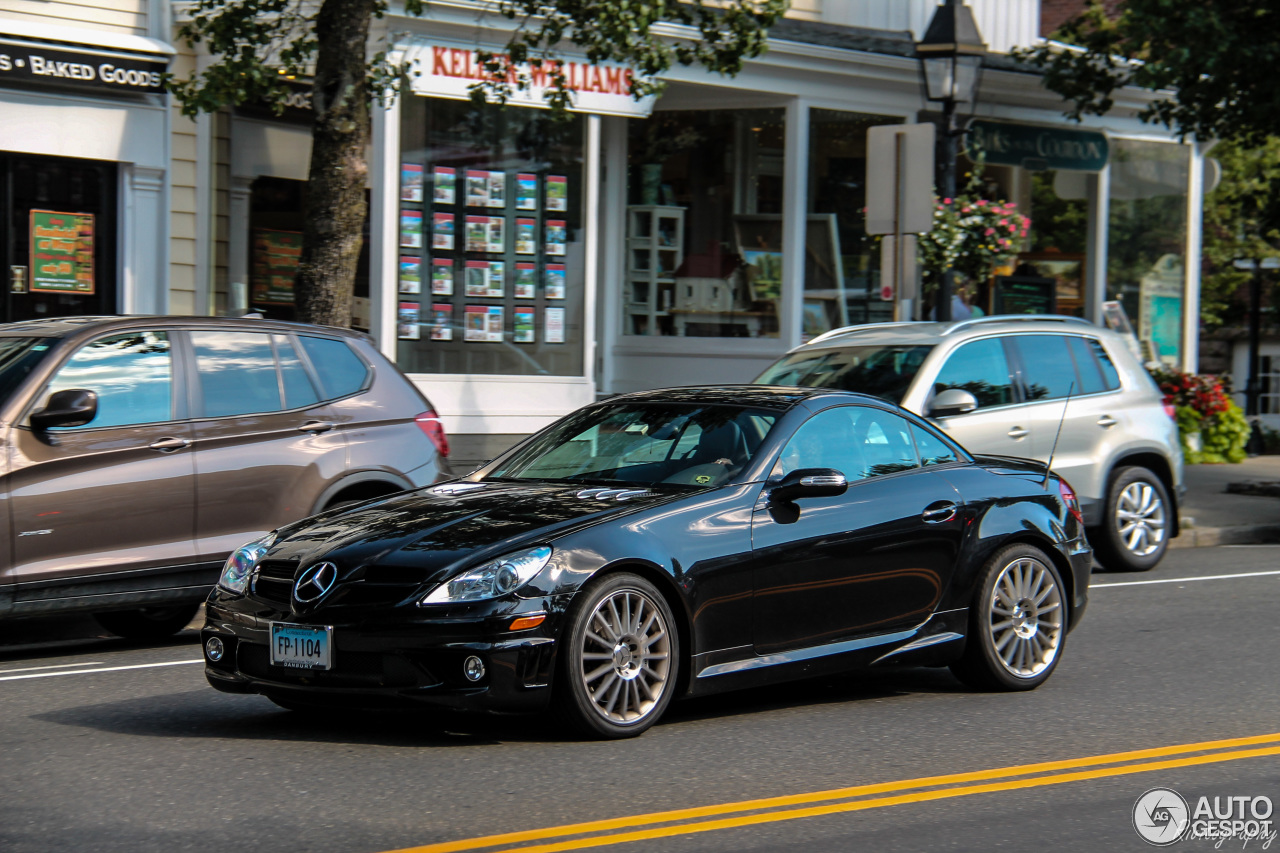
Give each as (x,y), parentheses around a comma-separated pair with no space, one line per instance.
(302,646)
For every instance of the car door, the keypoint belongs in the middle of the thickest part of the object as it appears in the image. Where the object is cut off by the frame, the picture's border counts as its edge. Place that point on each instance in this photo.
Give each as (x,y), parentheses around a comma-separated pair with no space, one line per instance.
(999,425)
(1092,423)
(872,560)
(265,442)
(115,494)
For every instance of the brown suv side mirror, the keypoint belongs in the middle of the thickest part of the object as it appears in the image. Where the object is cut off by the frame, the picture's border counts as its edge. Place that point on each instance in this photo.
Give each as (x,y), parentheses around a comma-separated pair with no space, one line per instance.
(70,408)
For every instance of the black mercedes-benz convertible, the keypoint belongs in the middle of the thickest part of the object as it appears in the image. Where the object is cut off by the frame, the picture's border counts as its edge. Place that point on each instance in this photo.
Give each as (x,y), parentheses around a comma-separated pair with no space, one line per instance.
(664,544)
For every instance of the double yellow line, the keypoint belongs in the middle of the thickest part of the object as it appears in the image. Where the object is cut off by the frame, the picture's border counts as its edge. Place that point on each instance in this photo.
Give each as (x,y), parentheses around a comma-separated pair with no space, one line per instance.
(601,833)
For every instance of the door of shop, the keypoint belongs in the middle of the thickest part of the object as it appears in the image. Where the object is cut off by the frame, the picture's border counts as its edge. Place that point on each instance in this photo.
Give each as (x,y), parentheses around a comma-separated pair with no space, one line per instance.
(60,260)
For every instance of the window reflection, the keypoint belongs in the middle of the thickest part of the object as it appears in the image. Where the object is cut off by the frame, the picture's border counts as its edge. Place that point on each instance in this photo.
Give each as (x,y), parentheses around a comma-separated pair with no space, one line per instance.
(132,374)
(237,373)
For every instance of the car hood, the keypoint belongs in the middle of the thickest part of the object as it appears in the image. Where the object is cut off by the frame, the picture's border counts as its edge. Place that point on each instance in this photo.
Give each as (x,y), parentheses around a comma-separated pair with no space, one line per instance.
(430,531)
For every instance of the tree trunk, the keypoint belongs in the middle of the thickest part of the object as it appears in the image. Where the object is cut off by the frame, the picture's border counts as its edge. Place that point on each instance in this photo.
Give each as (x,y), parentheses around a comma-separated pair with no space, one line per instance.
(336,207)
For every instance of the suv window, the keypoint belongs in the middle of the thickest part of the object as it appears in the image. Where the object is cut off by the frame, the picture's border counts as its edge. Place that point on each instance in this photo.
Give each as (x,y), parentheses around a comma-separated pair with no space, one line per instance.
(1110,377)
(1048,372)
(132,374)
(298,390)
(341,371)
(237,373)
(979,367)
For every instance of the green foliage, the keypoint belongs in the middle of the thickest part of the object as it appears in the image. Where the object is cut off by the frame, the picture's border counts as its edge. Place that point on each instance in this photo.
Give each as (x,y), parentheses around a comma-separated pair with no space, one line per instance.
(1209,64)
(1202,405)
(1189,421)
(1224,436)
(1241,220)
(260,45)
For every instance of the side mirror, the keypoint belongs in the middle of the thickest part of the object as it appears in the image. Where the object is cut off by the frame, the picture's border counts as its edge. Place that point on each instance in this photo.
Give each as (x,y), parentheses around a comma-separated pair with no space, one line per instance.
(810,483)
(70,408)
(953,401)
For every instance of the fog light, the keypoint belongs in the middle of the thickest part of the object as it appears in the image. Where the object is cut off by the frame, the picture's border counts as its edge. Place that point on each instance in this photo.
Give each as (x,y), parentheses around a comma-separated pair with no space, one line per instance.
(214,649)
(473,668)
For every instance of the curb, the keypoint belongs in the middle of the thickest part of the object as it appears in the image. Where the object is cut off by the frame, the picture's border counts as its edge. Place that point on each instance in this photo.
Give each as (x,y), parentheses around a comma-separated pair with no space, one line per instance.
(1242,534)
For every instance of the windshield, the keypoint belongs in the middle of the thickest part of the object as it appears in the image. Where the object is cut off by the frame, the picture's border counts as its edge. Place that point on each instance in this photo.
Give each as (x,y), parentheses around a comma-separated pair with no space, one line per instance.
(18,357)
(880,371)
(643,444)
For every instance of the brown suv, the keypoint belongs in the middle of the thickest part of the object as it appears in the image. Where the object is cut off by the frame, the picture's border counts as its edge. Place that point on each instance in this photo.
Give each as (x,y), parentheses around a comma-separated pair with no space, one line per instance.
(143,450)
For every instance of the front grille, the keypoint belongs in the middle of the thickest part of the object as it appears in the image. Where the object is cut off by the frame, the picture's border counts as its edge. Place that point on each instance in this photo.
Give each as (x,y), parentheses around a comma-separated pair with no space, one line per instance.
(350,669)
(274,581)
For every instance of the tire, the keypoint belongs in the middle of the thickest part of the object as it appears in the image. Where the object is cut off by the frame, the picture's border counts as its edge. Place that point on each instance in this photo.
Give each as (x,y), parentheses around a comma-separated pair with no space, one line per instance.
(1017,622)
(604,687)
(149,623)
(1138,511)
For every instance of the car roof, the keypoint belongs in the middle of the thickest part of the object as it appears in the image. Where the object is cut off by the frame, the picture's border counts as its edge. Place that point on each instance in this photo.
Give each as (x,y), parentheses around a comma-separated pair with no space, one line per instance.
(779,397)
(929,334)
(62,327)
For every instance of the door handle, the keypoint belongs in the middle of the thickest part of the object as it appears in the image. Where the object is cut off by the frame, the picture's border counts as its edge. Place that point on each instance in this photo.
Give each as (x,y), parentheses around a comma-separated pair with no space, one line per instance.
(316,427)
(168,445)
(1017,432)
(939,512)
(1107,422)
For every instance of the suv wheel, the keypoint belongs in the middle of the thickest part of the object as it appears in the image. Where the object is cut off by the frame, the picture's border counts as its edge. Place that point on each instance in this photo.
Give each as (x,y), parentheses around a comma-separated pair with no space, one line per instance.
(149,623)
(1137,522)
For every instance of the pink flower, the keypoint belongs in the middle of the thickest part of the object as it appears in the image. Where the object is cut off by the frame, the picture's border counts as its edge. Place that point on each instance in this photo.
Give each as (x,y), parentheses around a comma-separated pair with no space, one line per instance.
(982,202)
(1004,222)
(946,201)
(990,231)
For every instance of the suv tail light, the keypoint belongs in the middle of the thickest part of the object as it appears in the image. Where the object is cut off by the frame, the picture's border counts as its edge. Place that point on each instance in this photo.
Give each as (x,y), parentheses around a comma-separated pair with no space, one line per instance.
(429,423)
(1069,498)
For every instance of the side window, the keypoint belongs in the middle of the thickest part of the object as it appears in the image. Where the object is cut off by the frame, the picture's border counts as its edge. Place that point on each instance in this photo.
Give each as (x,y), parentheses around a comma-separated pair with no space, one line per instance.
(132,375)
(298,390)
(1110,377)
(341,371)
(237,373)
(933,450)
(979,367)
(1049,373)
(1087,367)
(856,441)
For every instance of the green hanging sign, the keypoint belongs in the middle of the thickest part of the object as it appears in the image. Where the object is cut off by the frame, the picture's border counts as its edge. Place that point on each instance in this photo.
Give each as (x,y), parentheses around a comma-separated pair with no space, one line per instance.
(1036,147)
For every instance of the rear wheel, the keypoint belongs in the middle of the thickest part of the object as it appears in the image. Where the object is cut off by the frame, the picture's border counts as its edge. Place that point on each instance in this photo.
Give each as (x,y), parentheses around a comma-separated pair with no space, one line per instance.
(619,658)
(149,623)
(1017,622)
(1136,524)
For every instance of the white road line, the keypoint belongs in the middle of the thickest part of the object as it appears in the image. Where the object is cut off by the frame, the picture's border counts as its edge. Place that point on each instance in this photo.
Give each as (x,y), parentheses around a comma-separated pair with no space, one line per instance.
(103,669)
(1185,580)
(51,666)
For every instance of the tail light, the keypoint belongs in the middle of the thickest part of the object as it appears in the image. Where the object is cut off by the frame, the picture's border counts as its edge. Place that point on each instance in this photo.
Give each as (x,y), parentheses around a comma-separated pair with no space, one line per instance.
(1169,410)
(1069,498)
(429,423)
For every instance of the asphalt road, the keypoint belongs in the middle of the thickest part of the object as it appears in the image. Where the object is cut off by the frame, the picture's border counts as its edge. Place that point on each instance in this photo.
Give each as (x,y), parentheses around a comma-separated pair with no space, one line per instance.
(111,746)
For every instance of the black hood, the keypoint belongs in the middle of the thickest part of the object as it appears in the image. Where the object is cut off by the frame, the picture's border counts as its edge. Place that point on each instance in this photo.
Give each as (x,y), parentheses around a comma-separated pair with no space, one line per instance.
(434,529)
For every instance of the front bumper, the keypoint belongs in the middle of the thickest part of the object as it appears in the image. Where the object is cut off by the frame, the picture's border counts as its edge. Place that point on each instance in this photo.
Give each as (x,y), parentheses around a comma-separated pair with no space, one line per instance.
(382,662)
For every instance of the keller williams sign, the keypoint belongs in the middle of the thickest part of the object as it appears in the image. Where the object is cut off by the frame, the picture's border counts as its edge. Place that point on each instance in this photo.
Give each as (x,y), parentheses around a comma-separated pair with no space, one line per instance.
(445,71)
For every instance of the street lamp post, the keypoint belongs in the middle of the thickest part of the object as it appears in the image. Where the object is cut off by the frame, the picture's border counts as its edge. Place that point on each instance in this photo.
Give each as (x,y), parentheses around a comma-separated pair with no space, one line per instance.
(950,61)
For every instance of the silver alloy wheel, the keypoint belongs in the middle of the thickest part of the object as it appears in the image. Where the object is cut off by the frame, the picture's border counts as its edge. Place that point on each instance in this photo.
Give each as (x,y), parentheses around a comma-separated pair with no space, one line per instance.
(1026,617)
(625,657)
(1140,518)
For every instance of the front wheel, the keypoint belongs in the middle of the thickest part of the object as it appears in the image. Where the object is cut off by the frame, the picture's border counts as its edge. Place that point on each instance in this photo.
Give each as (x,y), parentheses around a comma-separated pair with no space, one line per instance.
(1135,529)
(149,623)
(1017,622)
(619,658)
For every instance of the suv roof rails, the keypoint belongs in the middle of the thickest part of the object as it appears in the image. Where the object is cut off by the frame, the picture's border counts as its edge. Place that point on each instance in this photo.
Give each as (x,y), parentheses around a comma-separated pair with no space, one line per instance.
(843,329)
(1017,318)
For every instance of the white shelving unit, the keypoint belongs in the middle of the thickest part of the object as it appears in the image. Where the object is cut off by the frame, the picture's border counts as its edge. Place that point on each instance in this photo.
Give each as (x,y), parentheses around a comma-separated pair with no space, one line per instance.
(655,250)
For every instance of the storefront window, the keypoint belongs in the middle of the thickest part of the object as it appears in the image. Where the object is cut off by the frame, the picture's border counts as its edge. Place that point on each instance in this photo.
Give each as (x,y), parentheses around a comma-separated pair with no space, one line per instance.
(492,246)
(1059,236)
(704,224)
(1146,242)
(842,264)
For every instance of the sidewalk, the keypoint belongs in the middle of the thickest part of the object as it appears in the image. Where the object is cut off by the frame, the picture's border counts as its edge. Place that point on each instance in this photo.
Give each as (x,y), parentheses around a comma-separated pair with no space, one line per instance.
(1212,516)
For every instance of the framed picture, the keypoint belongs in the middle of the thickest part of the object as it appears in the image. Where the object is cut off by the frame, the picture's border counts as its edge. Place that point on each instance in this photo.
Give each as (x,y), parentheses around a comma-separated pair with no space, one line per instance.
(759,240)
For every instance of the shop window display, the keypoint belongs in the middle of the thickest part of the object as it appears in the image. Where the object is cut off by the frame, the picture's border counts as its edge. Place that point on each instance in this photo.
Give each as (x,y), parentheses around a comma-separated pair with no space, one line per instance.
(704,224)
(491,241)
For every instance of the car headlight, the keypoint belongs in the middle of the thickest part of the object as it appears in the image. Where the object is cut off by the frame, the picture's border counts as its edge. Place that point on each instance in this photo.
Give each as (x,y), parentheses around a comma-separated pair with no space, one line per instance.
(236,571)
(494,578)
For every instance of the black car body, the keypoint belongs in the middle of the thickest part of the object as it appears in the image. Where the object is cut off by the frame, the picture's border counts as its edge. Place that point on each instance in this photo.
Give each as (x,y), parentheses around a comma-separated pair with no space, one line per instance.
(762,579)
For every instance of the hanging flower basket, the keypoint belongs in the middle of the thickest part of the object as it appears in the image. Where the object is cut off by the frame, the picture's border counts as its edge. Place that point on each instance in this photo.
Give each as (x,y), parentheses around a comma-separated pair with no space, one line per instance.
(971,236)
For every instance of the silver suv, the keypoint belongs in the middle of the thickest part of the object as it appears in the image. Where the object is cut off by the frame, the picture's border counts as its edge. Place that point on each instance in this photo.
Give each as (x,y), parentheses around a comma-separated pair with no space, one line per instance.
(998,385)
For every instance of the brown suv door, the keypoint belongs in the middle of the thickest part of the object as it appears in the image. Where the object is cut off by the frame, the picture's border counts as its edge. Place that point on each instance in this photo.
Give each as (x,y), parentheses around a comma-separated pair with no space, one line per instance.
(116,494)
(266,444)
